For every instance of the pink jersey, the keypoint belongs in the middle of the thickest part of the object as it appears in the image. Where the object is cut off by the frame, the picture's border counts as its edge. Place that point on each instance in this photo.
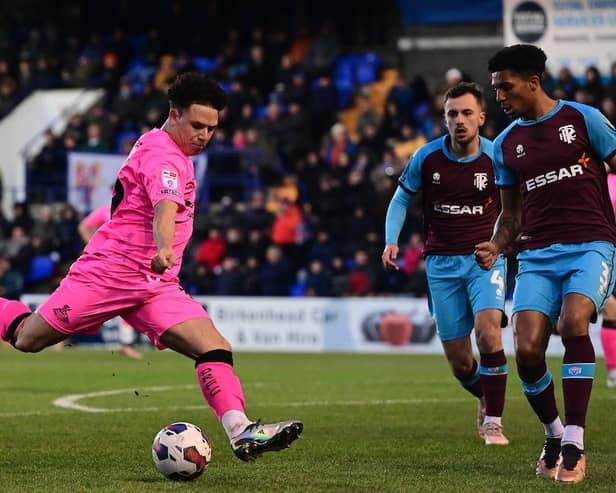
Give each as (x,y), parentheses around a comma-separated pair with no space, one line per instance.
(156,169)
(611,185)
(98,217)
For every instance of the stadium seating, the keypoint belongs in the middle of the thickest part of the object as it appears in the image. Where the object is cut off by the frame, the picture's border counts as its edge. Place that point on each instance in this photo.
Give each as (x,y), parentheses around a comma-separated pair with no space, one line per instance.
(41,268)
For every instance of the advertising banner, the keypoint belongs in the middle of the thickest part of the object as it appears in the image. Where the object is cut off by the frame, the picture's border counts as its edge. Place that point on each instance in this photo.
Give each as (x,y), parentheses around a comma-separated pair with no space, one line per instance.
(367,325)
(573,33)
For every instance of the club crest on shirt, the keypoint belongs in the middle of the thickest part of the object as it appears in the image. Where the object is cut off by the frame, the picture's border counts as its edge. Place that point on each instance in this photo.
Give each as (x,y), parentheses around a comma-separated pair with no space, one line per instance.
(170,178)
(567,134)
(480,181)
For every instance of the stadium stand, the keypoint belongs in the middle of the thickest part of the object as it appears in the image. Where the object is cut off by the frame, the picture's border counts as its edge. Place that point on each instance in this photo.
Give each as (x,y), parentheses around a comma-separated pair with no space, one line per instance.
(293,94)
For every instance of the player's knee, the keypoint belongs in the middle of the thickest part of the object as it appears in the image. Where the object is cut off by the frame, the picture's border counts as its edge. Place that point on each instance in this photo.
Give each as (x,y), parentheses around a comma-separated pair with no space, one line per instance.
(28,344)
(462,366)
(530,349)
(218,342)
(528,355)
(573,324)
(224,344)
(489,339)
(212,338)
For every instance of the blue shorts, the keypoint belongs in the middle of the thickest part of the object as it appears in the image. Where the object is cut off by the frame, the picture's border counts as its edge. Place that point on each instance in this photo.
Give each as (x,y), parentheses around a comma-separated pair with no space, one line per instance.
(459,288)
(547,275)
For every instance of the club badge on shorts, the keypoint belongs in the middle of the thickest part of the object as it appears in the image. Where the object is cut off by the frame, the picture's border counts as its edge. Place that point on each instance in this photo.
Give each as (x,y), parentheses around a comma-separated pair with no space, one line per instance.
(170,178)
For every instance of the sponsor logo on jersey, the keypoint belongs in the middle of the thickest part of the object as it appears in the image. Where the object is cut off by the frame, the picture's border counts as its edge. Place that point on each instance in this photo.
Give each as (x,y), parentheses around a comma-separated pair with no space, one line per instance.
(436,178)
(459,210)
(566,133)
(172,192)
(480,181)
(61,313)
(584,160)
(170,178)
(519,151)
(554,176)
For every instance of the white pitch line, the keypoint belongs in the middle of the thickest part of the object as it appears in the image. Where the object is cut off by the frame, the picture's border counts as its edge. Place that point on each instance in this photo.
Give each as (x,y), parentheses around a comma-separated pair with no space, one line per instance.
(70,402)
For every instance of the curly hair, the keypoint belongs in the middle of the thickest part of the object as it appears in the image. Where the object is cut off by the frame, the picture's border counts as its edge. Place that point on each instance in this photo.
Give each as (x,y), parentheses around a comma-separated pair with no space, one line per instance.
(521,58)
(196,88)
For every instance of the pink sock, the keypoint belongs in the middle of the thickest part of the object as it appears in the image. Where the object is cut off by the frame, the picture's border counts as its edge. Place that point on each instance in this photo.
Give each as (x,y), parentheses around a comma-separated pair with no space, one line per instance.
(221,387)
(9,311)
(608,340)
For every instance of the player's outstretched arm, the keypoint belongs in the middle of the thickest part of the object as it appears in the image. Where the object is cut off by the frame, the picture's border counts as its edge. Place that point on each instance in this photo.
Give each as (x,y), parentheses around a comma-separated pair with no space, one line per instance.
(164,231)
(85,231)
(396,214)
(506,228)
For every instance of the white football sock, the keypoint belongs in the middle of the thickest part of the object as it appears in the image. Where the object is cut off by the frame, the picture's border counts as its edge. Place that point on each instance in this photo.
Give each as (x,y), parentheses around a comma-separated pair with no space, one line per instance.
(574,435)
(555,429)
(234,422)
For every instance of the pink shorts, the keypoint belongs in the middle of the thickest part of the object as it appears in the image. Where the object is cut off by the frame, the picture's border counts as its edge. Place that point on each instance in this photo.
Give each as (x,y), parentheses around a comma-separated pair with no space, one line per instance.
(90,295)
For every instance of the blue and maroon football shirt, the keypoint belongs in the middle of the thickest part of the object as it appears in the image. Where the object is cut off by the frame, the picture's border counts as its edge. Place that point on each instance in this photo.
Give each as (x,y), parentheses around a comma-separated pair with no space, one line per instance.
(557,162)
(460,199)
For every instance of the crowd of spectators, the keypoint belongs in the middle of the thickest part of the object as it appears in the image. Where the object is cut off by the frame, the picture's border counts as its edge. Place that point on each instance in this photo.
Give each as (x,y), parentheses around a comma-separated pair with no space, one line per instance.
(310,224)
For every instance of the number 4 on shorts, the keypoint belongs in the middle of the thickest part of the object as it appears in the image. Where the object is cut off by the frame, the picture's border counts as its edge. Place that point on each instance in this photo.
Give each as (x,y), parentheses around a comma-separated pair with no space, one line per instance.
(497,279)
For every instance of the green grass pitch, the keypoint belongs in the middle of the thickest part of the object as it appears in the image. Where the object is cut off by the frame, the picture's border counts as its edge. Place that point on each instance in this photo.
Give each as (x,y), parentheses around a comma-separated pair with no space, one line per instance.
(395,423)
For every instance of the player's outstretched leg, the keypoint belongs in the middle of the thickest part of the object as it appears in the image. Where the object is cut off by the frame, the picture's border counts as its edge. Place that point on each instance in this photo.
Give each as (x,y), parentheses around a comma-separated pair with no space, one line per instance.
(223,392)
(12,314)
(258,438)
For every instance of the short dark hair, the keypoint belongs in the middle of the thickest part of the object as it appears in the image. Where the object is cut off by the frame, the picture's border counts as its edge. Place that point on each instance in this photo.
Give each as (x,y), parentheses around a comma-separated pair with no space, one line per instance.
(196,88)
(465,88)
(523,59)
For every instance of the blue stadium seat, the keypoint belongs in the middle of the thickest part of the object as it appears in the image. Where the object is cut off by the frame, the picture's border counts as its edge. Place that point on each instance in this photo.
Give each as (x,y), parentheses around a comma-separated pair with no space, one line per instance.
(298,289)
(367,66)
(261,112)
(41,268)
(122,136)
(345,66)
(139,72)
(226,86)
(346,92)
(205,64)
(344,80)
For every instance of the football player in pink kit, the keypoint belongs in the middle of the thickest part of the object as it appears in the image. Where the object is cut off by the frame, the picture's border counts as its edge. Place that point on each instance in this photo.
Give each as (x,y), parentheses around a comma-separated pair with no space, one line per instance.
(130,268)
(87,228)
(608,323)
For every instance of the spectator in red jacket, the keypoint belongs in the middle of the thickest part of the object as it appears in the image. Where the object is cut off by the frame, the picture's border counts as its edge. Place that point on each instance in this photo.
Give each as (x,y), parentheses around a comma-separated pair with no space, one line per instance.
(211,251)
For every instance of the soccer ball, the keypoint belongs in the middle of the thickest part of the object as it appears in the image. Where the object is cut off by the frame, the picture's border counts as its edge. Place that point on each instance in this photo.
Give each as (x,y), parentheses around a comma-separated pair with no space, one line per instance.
(181,451)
